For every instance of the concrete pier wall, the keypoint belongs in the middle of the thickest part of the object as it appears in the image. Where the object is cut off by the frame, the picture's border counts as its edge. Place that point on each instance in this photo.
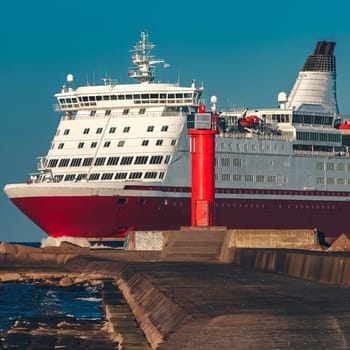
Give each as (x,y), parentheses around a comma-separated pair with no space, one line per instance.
(158,315)
(325,267)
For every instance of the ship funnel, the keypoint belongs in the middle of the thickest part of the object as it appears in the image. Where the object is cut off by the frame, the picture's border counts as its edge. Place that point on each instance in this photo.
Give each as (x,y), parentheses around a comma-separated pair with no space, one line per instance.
(315,86)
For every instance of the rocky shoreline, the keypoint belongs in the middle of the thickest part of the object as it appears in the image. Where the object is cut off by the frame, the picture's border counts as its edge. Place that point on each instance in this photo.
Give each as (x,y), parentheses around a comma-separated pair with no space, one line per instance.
(42,266)
(58,332)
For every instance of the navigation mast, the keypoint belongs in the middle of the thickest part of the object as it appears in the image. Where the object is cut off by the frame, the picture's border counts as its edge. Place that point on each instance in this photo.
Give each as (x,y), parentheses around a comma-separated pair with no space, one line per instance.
(143,61)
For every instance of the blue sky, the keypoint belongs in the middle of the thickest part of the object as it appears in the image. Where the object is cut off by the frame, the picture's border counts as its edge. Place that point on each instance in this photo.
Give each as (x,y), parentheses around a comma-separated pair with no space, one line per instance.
(244,52)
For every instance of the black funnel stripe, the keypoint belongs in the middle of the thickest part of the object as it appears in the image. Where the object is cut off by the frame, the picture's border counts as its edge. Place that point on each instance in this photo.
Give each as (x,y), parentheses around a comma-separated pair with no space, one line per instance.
(322,59)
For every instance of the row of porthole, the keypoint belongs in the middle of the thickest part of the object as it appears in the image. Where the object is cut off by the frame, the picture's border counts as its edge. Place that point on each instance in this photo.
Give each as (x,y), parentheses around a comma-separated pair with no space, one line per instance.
(280,206)
(142,201)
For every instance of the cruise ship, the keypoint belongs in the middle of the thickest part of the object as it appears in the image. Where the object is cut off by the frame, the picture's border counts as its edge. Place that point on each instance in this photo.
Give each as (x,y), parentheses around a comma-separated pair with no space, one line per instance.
(120,159)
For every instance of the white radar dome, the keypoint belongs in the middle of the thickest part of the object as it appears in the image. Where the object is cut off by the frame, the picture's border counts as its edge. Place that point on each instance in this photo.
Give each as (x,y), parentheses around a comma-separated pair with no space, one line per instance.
(213,99)
(70,78)
(282,97)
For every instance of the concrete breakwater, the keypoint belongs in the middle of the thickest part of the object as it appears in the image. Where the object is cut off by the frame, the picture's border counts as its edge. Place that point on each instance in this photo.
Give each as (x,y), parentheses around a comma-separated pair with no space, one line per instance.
(324,267)
(199,295)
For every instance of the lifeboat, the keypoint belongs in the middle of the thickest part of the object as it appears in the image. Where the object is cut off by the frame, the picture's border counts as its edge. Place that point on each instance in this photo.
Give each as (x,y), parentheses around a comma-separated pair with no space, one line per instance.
(251,122)
(344,127)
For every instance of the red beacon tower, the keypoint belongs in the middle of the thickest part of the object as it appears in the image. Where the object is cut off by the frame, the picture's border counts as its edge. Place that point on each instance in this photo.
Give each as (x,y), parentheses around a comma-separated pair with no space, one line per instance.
(202,127)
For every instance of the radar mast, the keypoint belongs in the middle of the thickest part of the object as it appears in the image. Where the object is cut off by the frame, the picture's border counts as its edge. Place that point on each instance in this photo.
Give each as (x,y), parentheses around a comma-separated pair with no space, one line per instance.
(143,61)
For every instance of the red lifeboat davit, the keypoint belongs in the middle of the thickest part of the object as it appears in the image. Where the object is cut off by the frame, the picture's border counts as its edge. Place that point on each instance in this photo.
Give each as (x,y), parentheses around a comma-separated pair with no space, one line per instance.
(251,121)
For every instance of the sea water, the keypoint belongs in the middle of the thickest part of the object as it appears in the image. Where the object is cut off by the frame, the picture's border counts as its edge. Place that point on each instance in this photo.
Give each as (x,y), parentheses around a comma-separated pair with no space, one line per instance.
(26,302)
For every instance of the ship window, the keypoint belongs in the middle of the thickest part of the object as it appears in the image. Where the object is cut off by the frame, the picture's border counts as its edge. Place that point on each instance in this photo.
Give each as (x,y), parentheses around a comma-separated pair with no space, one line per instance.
(81,145)
(81,177)
(113,97)
(107,144)
(249,178)
(52,163)
(87,162)
(341,167)
(150,128)
(145,142)
(64,162)
(58,178)
(236,177)
(330,181)
(99,131)
(126,160)
(237,162)
(121,201)
(69,177)
(112,130)
(93,144)
(173,142)
(330,166)
(125,111)
(86,131)
(159,142)
(156,159)
(320,180)
(107,176)
(260,178)
(341,181)
(128,97)
(85,98)
(108,112)
(136,175)
(164,128)
(112,160)
(150,175)
(225,177)
(141,201)
(60,145)
(161,174)
(92,98)
(121,97)
(76,162)
(121,143)
(92,113)
(141,159)
(100,161)
(66,132)
(106,97)
(271,178)
(94,176)
(142,111)
(225,162)
(120,176)
(126,129)
(167,158)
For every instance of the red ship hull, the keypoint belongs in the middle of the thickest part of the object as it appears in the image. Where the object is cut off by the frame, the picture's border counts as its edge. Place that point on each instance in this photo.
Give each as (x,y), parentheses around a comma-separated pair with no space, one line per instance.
(110,217)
